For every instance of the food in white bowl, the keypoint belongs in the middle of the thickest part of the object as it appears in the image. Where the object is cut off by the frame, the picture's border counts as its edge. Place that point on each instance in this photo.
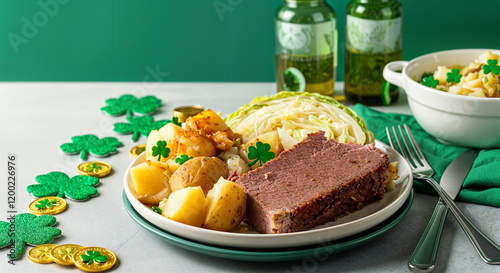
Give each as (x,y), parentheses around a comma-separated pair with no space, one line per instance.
(480,78)
(458,120)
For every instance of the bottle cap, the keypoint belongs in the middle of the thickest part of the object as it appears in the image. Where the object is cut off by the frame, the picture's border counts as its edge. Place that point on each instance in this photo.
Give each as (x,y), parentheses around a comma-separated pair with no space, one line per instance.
(184,112)
(94,168)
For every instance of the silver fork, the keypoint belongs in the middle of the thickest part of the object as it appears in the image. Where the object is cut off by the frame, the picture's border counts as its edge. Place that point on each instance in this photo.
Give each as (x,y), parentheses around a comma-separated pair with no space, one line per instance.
(487,249)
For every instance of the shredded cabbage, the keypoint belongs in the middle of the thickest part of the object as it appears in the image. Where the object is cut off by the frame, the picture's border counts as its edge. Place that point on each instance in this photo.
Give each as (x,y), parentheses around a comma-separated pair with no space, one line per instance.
(298,114)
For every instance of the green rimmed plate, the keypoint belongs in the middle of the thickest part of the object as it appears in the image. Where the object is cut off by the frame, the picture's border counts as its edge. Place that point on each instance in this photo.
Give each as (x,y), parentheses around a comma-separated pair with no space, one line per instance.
(275,255)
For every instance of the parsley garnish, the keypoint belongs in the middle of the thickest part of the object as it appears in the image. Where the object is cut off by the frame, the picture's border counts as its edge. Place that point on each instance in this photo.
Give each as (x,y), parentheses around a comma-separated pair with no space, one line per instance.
(157,210)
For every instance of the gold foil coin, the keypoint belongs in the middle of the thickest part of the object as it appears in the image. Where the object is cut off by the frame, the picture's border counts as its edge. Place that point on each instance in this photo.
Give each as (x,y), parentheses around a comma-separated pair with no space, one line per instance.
(49,205)
(94,168)
(137,150)
(41,254)
(184,112)
(94,259)
(63,254)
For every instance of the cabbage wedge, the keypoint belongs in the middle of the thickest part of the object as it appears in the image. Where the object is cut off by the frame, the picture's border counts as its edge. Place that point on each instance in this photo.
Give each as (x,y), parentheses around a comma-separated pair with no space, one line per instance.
(294,115)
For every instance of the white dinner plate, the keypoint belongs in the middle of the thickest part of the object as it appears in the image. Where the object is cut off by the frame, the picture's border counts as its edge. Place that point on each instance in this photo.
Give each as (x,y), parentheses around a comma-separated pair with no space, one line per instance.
(356,222)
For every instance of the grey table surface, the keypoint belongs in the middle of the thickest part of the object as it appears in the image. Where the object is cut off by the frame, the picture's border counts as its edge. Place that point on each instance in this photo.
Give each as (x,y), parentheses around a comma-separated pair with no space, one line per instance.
(36,118)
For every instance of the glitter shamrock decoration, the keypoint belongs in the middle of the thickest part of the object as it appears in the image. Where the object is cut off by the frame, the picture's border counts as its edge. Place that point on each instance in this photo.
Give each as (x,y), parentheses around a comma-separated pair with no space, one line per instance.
(454,76)
(160,150)
(139,125)
(430,82)
(260,152)
(47,203)
(92,256)
(182,159)
(29,229)
(91,143)
(80,187)
(492,67)
(92,167)
(130,104)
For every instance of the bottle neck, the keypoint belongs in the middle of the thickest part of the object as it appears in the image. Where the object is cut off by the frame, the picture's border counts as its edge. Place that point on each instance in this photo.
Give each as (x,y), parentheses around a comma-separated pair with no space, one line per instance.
(305,3)
(373,1)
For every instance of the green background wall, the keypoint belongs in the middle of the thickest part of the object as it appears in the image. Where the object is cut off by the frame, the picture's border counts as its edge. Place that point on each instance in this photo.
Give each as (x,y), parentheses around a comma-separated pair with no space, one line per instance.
(196,40)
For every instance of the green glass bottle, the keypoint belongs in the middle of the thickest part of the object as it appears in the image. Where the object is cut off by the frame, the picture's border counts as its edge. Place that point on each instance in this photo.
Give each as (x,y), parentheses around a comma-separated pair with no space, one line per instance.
(373,39)
(306,46)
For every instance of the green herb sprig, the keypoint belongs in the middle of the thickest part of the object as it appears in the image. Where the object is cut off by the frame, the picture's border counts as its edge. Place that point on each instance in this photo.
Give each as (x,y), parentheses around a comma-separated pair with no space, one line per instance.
(157,210)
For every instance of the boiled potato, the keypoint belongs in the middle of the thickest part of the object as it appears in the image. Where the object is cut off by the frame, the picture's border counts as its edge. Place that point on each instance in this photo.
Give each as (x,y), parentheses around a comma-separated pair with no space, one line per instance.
(208,122)
(483,58)
(193,144)
(440,74)
(171,133)
(225,206)
(199,171)
(186,206)
(153,138)
(172,165)
(271,138)
(149,178)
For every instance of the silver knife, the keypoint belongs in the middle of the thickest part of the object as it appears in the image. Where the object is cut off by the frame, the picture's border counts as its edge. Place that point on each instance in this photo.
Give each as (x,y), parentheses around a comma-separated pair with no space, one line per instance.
(424,256)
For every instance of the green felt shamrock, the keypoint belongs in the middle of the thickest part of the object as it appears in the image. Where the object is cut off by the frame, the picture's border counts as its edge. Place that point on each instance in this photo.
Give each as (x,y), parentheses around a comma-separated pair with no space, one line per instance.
(130,104)
(454,76)
(27,228)
(140,125)
(160,150)
(91,143)
(182,159)
(491,67)
(92,167)
(430,81)
(80,187)
(92,256)
(260,152)
(46,203)
(175,120)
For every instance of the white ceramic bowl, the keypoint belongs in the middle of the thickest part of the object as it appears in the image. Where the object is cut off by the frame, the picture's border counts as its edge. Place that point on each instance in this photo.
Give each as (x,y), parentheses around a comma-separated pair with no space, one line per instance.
(454,119)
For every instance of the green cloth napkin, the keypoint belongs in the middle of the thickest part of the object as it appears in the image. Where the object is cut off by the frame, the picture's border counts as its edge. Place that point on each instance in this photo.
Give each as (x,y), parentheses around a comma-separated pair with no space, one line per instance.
(482,185)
